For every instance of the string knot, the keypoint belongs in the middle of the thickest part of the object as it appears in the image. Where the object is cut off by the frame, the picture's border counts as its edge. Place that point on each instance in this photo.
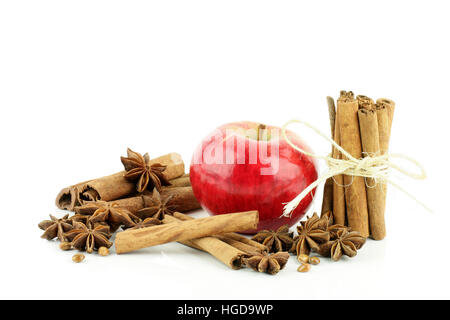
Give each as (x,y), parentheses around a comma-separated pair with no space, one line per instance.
(373,166)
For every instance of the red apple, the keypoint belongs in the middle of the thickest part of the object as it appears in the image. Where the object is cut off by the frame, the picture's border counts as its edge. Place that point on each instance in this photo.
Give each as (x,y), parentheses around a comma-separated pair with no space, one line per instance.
(246,166)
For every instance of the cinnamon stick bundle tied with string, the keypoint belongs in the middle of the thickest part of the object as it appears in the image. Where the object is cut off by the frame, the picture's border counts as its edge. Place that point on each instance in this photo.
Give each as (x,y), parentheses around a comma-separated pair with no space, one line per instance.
(373,121)
(364,129)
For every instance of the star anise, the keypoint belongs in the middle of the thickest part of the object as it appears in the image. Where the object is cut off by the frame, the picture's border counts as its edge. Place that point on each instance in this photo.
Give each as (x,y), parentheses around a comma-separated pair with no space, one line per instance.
(149,222)
(83,218)
(335,228)
(331,227)
(328,216)
(55,227)
(346,243)
(89,237)
(159,209)
(138,168)
(269,263)
(280,240)
(112,213)
(311,233)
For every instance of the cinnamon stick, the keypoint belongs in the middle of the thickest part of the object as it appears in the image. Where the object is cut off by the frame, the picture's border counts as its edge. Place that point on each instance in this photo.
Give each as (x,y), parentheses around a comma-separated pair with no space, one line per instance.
(236,240)
(141,238)
(174,165)
(384,125)
(182,198)
(327,200)
(224,252)
(390,107)
(116,186)
(183,181)
(232,258)
(368,124)
(338,181)
(132,204)
(364,100)
(250,250)
(384,131)
(67,198)
(385,113)
(227,237)
(259,246)
(107,188)
(331,114)
(355,189)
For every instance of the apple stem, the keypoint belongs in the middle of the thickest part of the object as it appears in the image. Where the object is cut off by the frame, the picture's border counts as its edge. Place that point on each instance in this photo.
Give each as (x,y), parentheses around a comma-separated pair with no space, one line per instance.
(260,131)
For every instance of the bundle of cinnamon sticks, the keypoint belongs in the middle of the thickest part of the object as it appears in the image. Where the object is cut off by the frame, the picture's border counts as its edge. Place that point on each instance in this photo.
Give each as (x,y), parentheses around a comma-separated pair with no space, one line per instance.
(362,127)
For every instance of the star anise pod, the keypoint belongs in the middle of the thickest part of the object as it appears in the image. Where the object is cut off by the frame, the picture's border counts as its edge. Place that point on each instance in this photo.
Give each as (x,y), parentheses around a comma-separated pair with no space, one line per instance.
(328,216)
(55,227)
(138,168)
(276,241)
(269,263)
(331,227)
(83,218)
(149,222)
(159,209)
(311,233)
(89,237)
(335,228)
(346,243)
(112,213)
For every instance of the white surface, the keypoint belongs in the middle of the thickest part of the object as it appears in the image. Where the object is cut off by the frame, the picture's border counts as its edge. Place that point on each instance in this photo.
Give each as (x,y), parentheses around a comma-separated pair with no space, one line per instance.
(81,81)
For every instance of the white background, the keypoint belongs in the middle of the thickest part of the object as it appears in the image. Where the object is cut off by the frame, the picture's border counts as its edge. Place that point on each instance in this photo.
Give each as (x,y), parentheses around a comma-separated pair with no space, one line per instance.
(80,81)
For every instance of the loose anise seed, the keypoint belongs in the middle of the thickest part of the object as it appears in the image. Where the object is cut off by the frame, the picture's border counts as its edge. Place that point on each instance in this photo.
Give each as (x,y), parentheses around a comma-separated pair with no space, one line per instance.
(103,251)
(303,258)
(77,258)
(304,267)
(314,260)
(65,246)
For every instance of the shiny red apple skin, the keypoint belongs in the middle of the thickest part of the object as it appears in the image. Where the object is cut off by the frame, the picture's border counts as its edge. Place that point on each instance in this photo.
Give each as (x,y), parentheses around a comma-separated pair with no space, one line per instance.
(226,188)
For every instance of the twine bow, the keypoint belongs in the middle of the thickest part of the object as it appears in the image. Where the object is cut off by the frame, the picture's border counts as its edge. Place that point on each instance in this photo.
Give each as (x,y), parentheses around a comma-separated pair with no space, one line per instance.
(376,167)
